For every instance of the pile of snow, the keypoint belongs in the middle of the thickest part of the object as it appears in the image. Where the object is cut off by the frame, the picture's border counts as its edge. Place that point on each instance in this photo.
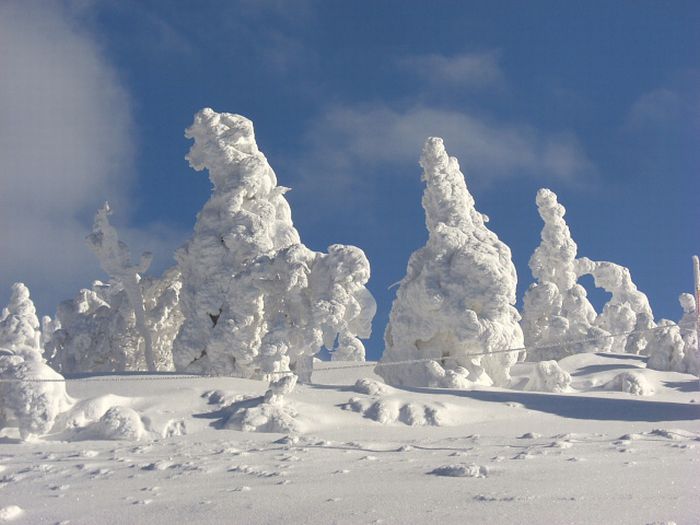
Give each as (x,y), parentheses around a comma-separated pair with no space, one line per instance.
(556,309)
(461,471)
(32,394)
(634,383)
(458,293)
(270,413)
(389,410)
(548,376)
(128,324)
(117,423)
(255,300)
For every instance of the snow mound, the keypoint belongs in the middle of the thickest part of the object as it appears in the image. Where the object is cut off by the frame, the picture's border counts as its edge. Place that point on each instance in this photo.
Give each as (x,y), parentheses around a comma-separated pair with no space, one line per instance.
(10,513)
(458,293)
(269,413)
(548,376)
(394,410)
(634,383)
(256,301)
(461,471)
(118,423)
(372,387)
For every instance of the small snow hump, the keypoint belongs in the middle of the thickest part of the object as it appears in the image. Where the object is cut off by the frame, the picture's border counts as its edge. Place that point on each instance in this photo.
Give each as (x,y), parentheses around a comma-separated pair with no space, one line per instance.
(461,471)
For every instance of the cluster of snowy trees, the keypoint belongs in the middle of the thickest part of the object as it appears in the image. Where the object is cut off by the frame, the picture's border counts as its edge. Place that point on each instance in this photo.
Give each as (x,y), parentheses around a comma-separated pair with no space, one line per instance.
(247,298)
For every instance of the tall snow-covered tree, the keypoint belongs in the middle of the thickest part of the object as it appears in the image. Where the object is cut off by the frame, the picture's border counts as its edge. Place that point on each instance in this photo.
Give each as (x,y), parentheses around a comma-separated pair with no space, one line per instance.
(556,310)
(256,301)
(458,293)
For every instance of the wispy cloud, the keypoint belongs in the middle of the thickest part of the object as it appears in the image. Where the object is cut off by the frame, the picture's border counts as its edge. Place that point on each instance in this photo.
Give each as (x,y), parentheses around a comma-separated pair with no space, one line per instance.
(677,103)
(467,70)
(347,141)
(65,145)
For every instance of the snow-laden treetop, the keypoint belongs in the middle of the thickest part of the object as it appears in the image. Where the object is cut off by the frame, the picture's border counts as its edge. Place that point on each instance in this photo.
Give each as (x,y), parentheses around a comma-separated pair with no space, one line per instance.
(554,259)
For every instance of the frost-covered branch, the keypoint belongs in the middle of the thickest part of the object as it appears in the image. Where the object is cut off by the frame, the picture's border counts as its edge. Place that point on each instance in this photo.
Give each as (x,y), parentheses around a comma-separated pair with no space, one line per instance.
(115,260)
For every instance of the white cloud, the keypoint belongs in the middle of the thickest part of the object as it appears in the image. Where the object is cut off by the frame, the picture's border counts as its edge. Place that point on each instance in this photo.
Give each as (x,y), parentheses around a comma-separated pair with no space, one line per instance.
(351,139)
(667,106)
(65,145)
(466,70)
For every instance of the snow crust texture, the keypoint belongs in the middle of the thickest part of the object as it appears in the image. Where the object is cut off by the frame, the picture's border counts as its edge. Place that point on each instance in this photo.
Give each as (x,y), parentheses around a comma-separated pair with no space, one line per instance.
(256,301)
(25,402)
(458,293)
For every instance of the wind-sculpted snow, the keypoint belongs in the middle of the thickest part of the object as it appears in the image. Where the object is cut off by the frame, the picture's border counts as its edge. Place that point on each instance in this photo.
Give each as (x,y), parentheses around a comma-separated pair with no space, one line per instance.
(458,293)
(255,300)
(26,402)
(556,309)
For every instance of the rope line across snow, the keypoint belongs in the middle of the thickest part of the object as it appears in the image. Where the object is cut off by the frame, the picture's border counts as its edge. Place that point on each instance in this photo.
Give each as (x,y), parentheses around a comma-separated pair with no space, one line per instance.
(176,377)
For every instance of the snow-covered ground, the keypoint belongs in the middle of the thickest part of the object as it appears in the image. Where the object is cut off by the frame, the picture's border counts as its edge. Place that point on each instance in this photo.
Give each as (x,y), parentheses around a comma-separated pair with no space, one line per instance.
(365,452)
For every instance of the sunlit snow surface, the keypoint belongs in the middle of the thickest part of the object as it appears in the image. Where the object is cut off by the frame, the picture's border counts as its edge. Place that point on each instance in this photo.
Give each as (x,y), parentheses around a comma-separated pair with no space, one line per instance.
(487,455)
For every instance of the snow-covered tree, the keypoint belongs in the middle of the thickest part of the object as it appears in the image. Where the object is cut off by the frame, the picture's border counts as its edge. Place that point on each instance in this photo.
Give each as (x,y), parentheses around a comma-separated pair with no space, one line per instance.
(627,310)
(19,325)
(32,394)
(98,327)
(666,348)
(255,300)
(458,293)
(556,310)
(128,324)
(115,260)
(688,327)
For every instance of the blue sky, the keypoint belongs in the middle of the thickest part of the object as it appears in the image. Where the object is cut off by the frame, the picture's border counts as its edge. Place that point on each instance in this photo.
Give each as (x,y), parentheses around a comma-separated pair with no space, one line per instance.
(599,101)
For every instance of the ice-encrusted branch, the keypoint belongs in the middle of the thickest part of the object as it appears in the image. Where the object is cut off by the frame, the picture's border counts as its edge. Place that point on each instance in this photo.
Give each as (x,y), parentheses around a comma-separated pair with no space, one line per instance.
(115,260)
